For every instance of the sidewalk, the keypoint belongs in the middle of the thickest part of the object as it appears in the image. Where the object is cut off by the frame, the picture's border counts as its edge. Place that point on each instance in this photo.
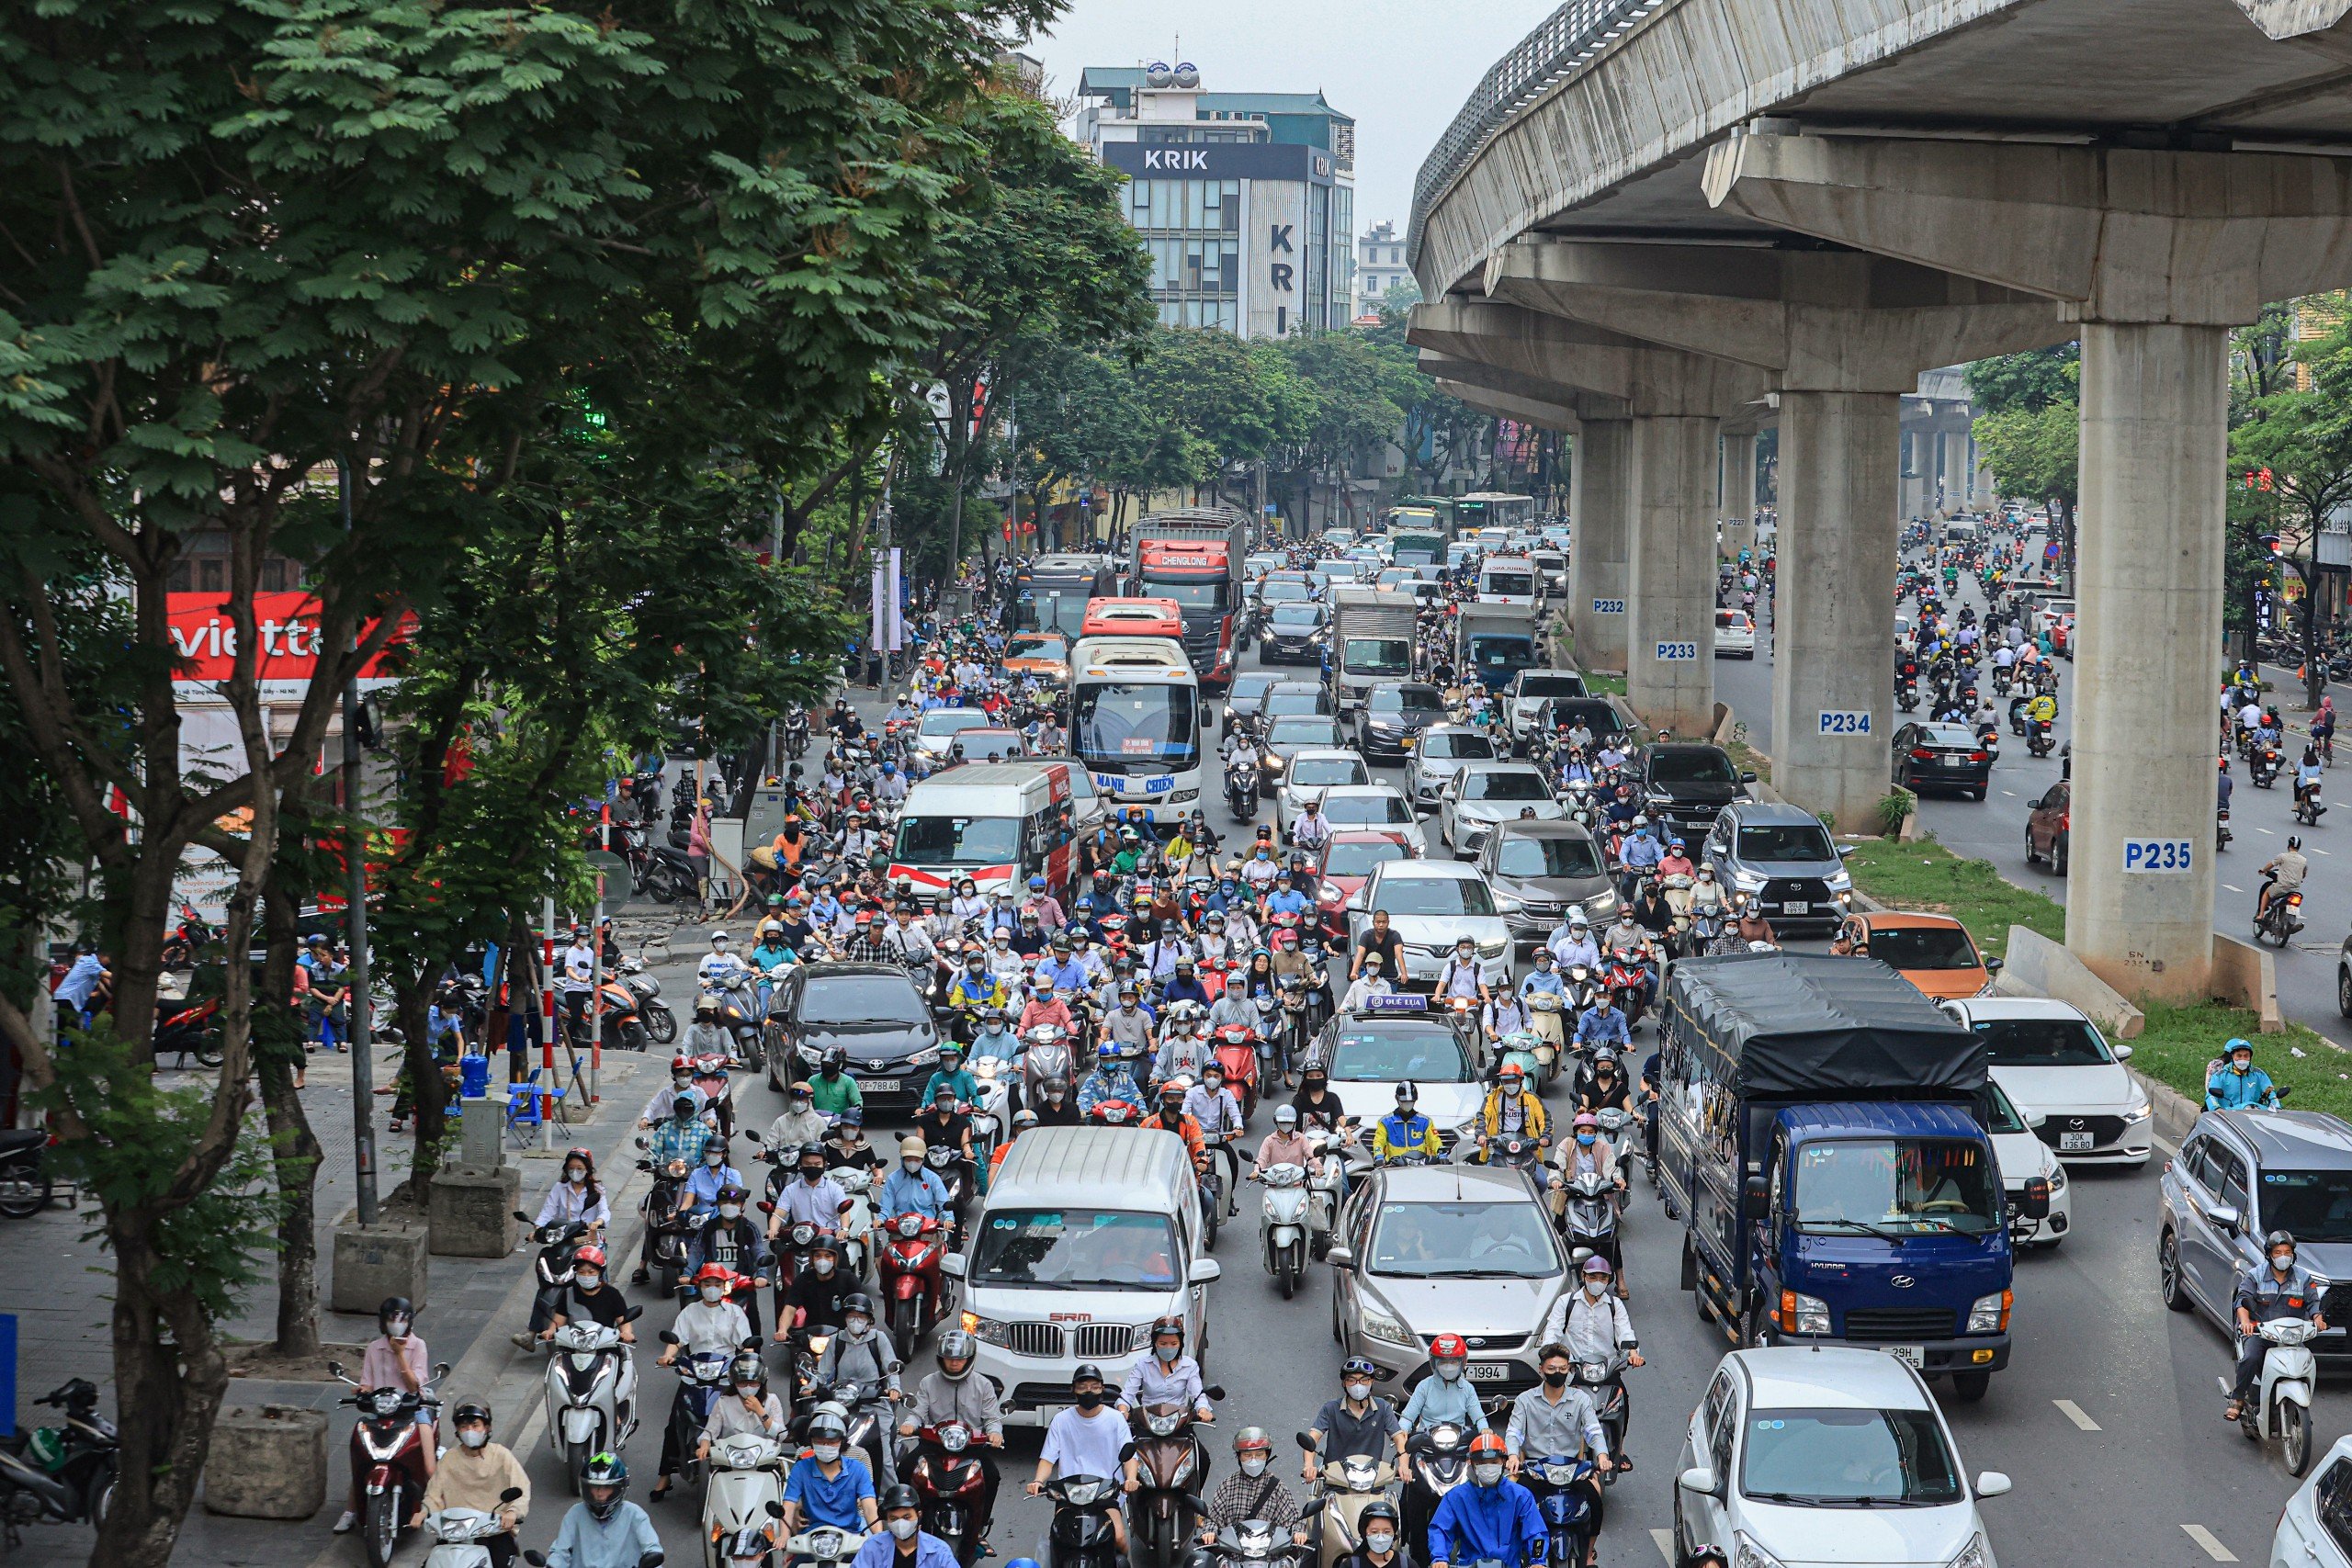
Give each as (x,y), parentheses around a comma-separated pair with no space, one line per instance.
(64,1331)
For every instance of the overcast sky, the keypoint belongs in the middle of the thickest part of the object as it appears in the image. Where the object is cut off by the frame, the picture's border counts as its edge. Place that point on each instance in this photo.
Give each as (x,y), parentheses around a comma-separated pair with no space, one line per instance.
(1401,68)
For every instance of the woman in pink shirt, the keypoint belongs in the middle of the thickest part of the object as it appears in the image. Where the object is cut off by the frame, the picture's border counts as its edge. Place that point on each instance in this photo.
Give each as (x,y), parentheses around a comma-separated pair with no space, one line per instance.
(394,1358)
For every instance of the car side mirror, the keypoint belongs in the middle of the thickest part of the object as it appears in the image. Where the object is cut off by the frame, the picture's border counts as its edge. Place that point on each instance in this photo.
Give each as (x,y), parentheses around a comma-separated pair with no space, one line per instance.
(1992,1483)
(1340,1257)
(1698,1478)
(2224,1216)
(1845,851)
(953,1265)
(1755,1199)
(1205,1269)
(1355,902)
(2037,1119)
(1747,775)
(2037,1198)
(2122,1052)
(1508,905)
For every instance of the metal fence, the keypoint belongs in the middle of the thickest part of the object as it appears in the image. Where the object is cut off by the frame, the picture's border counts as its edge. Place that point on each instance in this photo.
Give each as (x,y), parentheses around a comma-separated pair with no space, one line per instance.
(1568,38)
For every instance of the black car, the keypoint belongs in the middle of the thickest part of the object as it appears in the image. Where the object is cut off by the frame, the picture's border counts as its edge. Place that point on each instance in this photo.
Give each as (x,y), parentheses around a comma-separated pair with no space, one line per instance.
(1942,756)
(1247,694)
(1689,783)
(873,1011)
(1294,633)
(1594,712)
(1394,717)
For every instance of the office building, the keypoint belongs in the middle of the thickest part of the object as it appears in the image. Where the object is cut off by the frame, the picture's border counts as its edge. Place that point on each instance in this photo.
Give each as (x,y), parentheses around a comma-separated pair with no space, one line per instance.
(1380,266)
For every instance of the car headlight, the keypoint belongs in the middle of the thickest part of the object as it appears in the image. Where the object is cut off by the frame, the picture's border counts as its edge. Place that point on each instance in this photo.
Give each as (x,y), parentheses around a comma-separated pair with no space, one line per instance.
(1494,949)
(2057,1178)
(1600,903)
(1275,766)
(1804,1315)
(2139,1110)
(988,1330)
(1746,1553)
(1387,1330)
(1839,881)
(1747,881)
(1142,1340)
(923,1057)
(1990,1315)
(1973,1555)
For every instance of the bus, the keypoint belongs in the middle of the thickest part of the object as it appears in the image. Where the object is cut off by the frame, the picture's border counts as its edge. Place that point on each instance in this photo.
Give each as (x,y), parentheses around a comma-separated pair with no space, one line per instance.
(1492,509)
(1134,617)
(1050,592)
(1135,724)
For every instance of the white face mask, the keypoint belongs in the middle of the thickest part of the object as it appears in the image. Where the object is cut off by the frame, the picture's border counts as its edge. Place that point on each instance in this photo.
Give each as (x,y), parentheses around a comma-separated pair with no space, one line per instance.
(1594,1288)
(730,1211)
(821,1264)
(1359,1391)
(1379,1540)
(576,1177)
(1486,1475)
(826,1452)
(712,1292)
(857,1327)
(902,1528)
(473,1437)
(1254,1466)
(1449,1372)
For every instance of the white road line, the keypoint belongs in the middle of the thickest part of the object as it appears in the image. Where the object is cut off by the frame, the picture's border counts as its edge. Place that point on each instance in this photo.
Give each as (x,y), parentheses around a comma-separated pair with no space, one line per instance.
(2073,1412)
(1665,1539)
(2213,1548)
(2010,792)
(2266,830)
(2171,1150)
(2232,887)
(2317,851)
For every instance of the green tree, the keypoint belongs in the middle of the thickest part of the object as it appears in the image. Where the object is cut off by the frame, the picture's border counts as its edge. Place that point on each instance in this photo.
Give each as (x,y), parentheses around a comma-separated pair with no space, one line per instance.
(2298,445)
(2033,380)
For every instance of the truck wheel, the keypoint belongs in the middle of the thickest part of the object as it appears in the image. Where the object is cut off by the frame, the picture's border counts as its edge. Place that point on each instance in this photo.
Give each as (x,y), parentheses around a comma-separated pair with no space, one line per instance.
(1756,1332)
(1970,1387)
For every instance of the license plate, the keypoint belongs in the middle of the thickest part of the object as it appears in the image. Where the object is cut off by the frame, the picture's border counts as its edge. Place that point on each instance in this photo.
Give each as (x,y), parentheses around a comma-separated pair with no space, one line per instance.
(1913,1355)
(1488,1372)
(880,1086)
(2073,1143)
(1796,907)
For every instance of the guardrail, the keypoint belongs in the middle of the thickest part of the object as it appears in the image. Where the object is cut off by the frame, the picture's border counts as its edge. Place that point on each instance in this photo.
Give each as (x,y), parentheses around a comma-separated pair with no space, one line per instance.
(1568,38)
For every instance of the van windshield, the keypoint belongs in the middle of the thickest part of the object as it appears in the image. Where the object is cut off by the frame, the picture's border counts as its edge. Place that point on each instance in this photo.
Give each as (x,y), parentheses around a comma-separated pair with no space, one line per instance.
(1893,1186)
(1076,1249)
(958,840)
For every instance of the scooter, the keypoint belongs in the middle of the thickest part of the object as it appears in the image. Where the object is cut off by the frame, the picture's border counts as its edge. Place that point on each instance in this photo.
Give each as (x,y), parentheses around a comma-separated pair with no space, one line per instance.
(1587,1208)
(2278,923)
(1617,1131)
(2282,1404)
(855,1234)
(2221,834)
(1282,1223)
(591,1392)
(457,1534)
(1171,1467)
(1567,1514)
(1241,790)
(2308,809)
(388,1448)
(1253,1543)
(822,1545)
(61,1474)
(864,1409)
(1081,1534)
(1604,1384)
(1344,1488)
(1047,1059)
(24,1187)
(558,1241)
(1544,1018)
(746,1476)
(945,1473)
(1440,1463)
(1326,1178)
(2038,740)
(1236,1053)
(912,1278)
(666,1228)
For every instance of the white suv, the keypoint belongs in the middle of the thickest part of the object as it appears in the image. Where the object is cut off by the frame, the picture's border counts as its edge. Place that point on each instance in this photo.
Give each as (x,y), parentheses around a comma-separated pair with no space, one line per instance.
(1790,1441)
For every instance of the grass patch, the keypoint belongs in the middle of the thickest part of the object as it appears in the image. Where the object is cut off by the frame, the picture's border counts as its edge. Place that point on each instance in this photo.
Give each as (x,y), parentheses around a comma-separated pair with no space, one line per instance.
(1928,877)
(2179,1041)
(1747,758)
(1604,685)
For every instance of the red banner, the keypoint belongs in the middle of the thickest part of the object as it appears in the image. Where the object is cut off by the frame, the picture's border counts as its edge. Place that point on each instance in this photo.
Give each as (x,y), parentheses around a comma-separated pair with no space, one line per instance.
(205,637)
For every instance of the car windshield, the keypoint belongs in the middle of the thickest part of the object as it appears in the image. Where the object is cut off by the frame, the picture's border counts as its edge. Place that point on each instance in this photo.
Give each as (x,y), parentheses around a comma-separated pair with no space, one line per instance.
(1434,895)
(990,746)
(1848,1459)
(1358,856)
(1925,947)
(1406,700)
(948,721)
(1464,1241)
(1296,617)
(888,1000)
(2039,1041)
(1554,684)
(1521,855)
(1391,1052)
(1367,810)
(1325,771)
(1776,843)
(2313,1205)
(1031,645)
(1894,1186)
(1377,655)
(1591,712)
(1298,699)
(1457,748)
(1513,581)
(1305,730)
(1250,685)
(1503,784)
(957,840)
(1076,1249)
(1698,766)
(1284,592)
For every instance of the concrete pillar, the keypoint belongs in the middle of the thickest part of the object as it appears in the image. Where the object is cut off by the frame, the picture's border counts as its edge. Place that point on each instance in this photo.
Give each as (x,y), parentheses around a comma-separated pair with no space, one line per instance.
(1833,626)
(1599,503)
(2156,407)
(1670,663)
(1739,493)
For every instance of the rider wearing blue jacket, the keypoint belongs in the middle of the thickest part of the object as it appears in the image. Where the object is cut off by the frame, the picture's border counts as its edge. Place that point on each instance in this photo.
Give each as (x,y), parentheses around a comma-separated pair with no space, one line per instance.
(2239,1084)
(1490,1520)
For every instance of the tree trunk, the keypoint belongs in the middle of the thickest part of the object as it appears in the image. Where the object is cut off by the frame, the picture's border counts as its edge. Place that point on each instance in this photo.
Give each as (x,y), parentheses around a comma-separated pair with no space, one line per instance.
(169,1380)
(412,995)
(294,1147)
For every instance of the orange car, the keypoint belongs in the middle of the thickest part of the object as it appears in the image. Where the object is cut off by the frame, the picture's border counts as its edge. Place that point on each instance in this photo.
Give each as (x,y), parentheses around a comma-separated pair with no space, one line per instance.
(1934,953)
(1044,655)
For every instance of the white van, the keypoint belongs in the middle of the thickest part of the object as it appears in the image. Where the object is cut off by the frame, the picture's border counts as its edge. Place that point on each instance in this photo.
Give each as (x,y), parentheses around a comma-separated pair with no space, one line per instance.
(998,823)
(1961,532)
(1509,579)
(1086,1234)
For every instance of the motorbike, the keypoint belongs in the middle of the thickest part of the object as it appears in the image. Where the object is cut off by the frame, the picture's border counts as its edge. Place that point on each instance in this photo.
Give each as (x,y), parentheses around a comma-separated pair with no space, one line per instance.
(25,1185)
(660,872)
(1241,791)
(2038,740)
(912,1278)
(184,1030)
(865,1411)
(388,1448)
(1545,1018)
(2278,923)
(1587,1211)
(1047,1059)
(2221,828)
(2262,765)
(950,1165)
(1907,696)
(1344,1487)
(1528,1049)
(666,1228)
(746,1478)
(1440,1463)
(1253,1543)
(591,1392)
(945,1473)
(1617,1131)
(822,1545)
(1517,1151)
(2308,809)
(660,1023)
(558,1241)
(2282,1404)
(795,734)
(739,1015)
(1080,1535)
(62,1474)
(457,1534)
(1172,1469)
(1604,1383)
(1568,1524)
(1282,1223)
(1236,1053)
(991,1112)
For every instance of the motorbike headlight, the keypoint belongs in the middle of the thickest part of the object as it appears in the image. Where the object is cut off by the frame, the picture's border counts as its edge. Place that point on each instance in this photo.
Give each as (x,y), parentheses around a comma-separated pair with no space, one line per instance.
(1804,1315)
(1387,1330)
(1989,1313)
(1162,1425)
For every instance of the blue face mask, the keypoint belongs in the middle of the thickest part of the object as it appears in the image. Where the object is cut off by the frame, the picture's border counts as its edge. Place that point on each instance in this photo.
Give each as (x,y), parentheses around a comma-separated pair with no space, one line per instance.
(1585,1138)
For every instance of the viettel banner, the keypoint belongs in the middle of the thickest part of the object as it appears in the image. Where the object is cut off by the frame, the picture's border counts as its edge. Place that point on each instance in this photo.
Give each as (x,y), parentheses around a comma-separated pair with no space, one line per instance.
(206,639)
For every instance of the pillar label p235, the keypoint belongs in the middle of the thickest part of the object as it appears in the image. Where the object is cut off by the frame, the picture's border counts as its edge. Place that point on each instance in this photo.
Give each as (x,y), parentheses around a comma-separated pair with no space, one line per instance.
(2159,856)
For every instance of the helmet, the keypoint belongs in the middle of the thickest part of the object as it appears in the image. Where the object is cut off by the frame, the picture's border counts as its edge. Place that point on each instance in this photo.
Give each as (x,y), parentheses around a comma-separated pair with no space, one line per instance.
(393,1307)
(826,1423)
(1599,1265)
(603,1469)
(713,1272)
(1449,1347)
(718,939)
(1487,1445)
(901,1496)
(912,1147)
(1286,1115)
(747,1367)
(956,1346)
(858,1301)
(588,1258)
(1357,1366)
(1025,1117)
(470,1411)
(1085,1370)
(2277,1240)
(1407,1094)
(2293,842)
(1252,1439)
(1378,1509)
(1586,1119)
(1171,1324)
(2234,1046)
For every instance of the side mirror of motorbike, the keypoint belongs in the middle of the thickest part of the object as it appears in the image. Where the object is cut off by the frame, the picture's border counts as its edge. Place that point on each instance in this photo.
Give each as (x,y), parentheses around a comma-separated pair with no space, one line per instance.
(536,1558)
(1126,1452)
(642,1143)
(2037,1198)
(669,1337)
(1306,1442)
(653,1559)
(632,1314)
(335,1368)
(521,1216)
(775,1509)
(513,1493)
(440,1371)
(952,1265)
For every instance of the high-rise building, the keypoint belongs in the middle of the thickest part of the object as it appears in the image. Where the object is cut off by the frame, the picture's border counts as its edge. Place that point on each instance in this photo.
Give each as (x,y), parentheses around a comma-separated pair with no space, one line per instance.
(1380,266)
(1245,201)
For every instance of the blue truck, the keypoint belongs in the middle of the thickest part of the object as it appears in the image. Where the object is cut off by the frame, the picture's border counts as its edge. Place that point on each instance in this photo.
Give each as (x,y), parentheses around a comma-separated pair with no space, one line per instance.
(1820,1135)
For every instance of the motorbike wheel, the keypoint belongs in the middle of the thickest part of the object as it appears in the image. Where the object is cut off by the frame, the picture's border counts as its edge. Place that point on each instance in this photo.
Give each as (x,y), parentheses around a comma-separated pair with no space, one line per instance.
(633,1038)
(208,1048)
(575,1460)
(1213,1210)
(25,1190)
(2295,1440)
(905,1320)
(663,885)
(381,1530)
(660,1023)
(1286,1273)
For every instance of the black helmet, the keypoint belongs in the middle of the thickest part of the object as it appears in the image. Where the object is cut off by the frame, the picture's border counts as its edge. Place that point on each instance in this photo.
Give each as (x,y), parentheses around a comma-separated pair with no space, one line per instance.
(1379,1508)
(901,1496)
(393,1307)
(858,1301)
(1085,1369)
(2277,1240)
(470,1411)
(747,1367)
(603,1469)
(835,1059)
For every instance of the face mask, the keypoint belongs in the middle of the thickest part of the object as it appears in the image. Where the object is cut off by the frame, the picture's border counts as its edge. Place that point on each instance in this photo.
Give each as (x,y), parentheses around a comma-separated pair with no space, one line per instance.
(1379,1540)
(826,1452)
(912,1167)
(2282,1261)
(798,1105)
(1585,1139)
(473,1437)
(748,1390)
(857,1327)
(396,1329)
(1594,1288)
(1555,1379)
(712,1292)
(814,1176)
(730,1211)
(1089,1399)
(1449,1372)
(714,1161)
(589,1279)
(1359,1391)
(904,1529)
(1167,1353)
(822,1264)
(575,1176)
(1486,1475)
(1253,1467)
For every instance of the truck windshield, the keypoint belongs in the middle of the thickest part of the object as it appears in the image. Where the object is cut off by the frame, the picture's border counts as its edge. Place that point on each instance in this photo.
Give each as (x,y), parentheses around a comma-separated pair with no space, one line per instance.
(1848,1459)
(1378,656)
(958,840)
(1502,652)
(1894,1186)
(1076,1249)
(1190,593)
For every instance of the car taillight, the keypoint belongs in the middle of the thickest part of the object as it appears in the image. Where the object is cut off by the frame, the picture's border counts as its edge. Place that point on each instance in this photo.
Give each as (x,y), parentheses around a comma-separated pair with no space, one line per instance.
(1922,754)
(1980,756)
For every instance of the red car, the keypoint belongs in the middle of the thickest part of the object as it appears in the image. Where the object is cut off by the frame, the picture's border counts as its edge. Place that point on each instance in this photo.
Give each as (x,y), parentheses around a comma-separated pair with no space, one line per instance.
(1348,862)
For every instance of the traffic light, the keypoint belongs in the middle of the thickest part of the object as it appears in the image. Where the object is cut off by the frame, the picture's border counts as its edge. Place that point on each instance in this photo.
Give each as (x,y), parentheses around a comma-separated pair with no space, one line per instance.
(2259,479)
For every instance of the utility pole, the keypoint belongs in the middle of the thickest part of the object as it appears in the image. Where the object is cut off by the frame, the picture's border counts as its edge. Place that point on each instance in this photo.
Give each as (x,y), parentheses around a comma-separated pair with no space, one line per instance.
(355,864)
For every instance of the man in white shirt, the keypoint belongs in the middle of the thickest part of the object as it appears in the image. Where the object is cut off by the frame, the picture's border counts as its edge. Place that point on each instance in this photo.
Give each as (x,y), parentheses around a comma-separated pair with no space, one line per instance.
(1086,1439)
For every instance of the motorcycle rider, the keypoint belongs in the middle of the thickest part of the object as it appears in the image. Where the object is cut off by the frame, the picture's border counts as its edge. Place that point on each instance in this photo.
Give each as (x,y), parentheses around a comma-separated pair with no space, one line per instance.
(1318,1107)
(705,1036)
(1462,975)
(1584,1152)
(1572,943)
(1089,1439)
(1369,983)
(1601,1025)
(914,1187)
(1358,1422)
(1383,1538)
(1184,1047)
(734,1243)
(943,1124)
(579,1197)
(752,1412)
(799,1124)
(2282,872)
(1170,1118)
(603,1529)
(2238,1084)
(2285,1289)
(1128,1025)
(1405,1132)
(1217,1113)
(1511,1108)
(588,1298)
(953,1394)
(477,1473)
(394,1358)
(1557,1417)
(1046,1006)
(1310,829)
(814,1199)
(819,1293)
(829,1484)
(1447,1395)
(953,1076)
(1183,985)
(1592,1322)
(1253,1491)
(860,1353)
(902,1543)
(664,1100)
(714,1175)
(1637,857)
(1607,1090)
(1111,1079)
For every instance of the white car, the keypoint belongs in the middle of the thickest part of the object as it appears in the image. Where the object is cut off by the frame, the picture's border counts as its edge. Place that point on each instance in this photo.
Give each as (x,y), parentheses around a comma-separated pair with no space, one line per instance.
(2316,1528)
(2053,1063)
(1443,750)
(2022,1157)
(1734,635)
(1312,772)
(1809,1455)
(1375,806)
(1432,904)
(936,730)
(1483,794)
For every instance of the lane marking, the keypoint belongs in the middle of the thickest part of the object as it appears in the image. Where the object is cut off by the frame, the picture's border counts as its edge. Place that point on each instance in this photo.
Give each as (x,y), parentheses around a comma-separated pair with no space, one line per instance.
(2266,830)
(2213,1548)
(2317,851)
(2232,887)
(2171,1150)
(2073,1412)
(2010,792)
(1665,1539)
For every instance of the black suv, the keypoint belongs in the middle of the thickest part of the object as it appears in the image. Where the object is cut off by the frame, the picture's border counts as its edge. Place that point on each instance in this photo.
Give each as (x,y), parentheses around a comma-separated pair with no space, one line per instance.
(1689,783)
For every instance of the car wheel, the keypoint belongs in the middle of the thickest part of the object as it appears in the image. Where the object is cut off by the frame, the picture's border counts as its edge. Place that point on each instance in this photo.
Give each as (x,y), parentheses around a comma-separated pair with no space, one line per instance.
(2343,991)
(2031,856)
(1980,792)
(2058,856)
(2169,1283)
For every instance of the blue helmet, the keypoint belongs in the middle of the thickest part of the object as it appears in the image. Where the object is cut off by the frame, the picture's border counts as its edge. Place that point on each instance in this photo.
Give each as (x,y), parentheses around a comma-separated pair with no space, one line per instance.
(1085,906)
(1037,885)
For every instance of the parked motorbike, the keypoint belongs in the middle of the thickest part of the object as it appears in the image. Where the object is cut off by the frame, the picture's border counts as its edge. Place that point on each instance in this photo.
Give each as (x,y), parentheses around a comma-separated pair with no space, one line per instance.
(388,1448)
(457,1534)
(746,1480)
(944,1471)
(62,1474)
(25,1183)
(591,1392)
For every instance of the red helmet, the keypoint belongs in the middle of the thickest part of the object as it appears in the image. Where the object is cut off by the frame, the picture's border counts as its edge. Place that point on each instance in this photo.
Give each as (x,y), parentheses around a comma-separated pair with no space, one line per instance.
(1449,1347)
(1488,1445)
(588,1258)
(719,1272)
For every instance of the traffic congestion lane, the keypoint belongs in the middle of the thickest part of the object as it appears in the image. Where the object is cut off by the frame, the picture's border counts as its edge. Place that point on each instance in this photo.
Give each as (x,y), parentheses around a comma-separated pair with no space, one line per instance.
(1994,829)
